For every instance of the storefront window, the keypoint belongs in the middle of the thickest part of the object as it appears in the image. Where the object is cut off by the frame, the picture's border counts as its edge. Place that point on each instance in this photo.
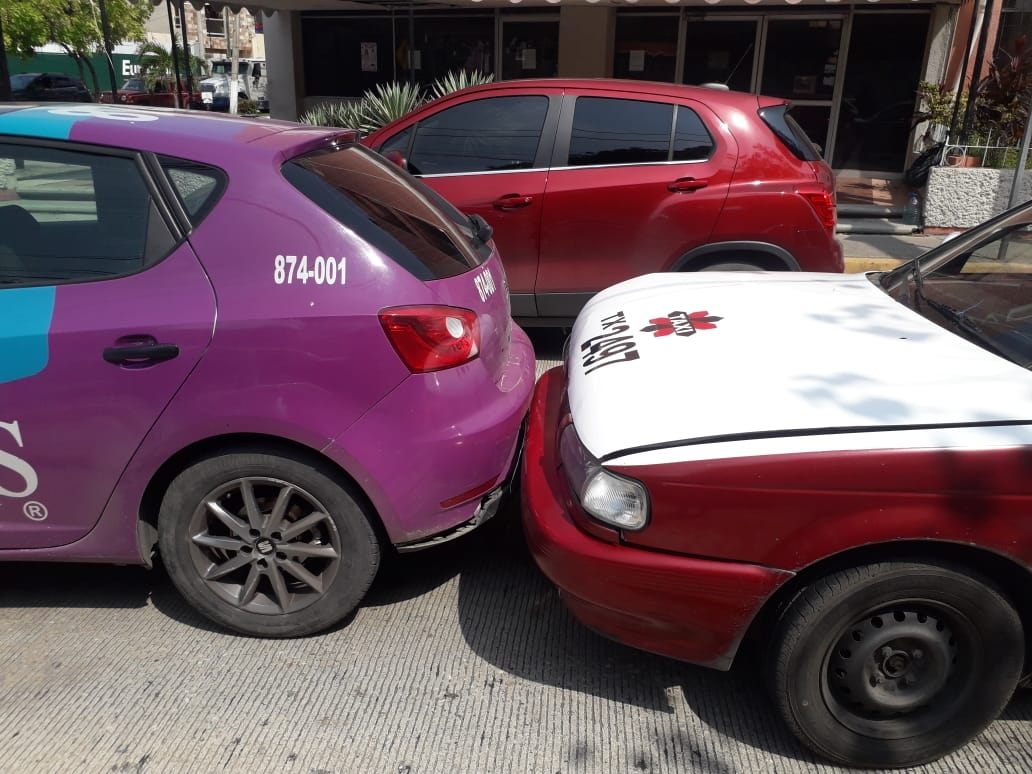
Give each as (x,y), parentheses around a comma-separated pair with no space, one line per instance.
(1015,24)
(802,58)
(347,55)
(530,49)
(444,44)
(720,51)
(646,47)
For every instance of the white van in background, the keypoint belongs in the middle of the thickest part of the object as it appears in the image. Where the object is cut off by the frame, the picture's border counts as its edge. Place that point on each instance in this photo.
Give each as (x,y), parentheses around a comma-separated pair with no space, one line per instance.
(252,83)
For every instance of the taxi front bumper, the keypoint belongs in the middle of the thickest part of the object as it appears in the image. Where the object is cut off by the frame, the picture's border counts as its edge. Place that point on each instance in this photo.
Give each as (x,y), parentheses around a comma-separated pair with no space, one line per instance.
(693,609)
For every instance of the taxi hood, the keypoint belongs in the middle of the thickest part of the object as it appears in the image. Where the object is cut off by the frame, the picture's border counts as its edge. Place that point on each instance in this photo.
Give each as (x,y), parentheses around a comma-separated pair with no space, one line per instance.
(670,358)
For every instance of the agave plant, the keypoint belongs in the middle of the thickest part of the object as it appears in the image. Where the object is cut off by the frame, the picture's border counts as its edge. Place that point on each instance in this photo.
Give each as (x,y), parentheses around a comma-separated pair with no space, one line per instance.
(347,115)
(387,101)
(458,79)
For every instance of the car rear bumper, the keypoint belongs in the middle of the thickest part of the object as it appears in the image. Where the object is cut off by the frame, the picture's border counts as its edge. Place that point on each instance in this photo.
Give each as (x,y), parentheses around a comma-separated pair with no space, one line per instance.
(692,609)
(437,438)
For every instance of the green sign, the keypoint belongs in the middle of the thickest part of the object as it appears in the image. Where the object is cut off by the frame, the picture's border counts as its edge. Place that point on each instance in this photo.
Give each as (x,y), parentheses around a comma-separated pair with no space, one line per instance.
(125,67)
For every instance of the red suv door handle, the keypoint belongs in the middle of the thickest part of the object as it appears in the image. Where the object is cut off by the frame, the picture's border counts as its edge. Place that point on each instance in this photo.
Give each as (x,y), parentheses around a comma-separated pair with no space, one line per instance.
(687,185)
(512,202)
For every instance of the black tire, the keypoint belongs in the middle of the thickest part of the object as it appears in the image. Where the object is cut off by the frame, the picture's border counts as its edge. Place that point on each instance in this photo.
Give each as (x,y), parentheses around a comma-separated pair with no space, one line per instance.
(895,664)
(732,266)
(296,560)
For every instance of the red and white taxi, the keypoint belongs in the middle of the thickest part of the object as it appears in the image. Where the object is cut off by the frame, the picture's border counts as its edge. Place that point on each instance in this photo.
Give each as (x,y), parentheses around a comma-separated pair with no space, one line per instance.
(838,467)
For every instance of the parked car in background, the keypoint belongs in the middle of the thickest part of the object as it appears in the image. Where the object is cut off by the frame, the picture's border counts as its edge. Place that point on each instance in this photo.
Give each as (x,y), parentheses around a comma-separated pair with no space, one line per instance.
(271,407)
(162,93)
(590,182)
(834,469)
(49,87)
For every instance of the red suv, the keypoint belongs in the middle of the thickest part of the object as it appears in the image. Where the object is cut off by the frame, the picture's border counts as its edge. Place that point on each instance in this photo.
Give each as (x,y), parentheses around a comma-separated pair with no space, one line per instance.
(590,182)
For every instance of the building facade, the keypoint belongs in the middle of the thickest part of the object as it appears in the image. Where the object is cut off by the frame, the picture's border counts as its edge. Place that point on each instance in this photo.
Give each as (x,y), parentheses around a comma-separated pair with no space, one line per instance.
(850,68)
(209,31)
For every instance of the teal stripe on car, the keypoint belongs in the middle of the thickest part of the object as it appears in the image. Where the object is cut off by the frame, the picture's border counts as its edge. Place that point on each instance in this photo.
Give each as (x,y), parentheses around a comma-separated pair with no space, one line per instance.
(25,317)
(53,123)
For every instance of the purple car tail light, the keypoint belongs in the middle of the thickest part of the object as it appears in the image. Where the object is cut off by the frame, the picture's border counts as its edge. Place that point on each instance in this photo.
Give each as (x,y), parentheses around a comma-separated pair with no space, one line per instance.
(432,338)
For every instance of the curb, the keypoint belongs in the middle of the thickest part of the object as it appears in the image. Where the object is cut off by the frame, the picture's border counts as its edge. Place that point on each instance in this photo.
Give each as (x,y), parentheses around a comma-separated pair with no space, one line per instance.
(857,265)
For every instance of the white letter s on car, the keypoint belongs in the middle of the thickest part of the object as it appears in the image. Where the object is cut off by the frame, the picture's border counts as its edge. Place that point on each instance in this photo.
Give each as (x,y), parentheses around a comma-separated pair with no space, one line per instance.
(17,465)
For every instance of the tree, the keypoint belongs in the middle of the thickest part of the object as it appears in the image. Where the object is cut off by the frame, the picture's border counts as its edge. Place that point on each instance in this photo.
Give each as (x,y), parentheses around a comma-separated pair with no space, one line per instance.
(5,75)
(72,24)
(156,62)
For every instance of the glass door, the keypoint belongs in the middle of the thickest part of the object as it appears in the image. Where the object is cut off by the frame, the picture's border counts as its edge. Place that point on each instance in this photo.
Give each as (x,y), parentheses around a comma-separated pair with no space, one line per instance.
(801,62)
(530,47)
(878,94)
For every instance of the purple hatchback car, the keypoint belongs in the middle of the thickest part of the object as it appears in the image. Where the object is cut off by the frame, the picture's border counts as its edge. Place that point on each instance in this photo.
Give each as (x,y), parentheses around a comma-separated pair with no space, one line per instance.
(256,346)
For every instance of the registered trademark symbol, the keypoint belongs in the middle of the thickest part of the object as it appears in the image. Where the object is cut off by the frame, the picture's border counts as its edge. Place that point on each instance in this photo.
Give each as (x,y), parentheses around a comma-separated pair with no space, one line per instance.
(35,510)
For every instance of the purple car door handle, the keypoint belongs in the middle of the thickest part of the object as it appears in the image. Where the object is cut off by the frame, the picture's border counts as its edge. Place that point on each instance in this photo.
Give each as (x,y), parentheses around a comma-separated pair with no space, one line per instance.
(687,185)
(142,354)
(512,202)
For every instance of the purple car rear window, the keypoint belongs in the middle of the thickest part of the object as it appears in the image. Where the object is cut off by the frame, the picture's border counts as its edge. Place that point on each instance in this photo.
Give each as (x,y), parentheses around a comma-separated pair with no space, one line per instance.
(198,186)
(384,206)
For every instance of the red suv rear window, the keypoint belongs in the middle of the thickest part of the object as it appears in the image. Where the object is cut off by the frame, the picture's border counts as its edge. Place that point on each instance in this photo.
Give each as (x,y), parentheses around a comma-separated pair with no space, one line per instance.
(786,129)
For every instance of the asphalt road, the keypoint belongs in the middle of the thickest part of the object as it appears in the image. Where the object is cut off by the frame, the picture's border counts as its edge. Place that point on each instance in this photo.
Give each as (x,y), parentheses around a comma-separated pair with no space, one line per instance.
(462,659)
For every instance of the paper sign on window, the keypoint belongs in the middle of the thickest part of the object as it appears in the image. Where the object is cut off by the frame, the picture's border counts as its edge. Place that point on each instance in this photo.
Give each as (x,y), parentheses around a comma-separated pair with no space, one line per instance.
(637,61)
(368,57)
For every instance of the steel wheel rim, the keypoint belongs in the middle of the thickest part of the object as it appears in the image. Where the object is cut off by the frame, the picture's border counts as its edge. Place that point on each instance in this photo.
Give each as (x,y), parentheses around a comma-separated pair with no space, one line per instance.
(264,545)
(901,669)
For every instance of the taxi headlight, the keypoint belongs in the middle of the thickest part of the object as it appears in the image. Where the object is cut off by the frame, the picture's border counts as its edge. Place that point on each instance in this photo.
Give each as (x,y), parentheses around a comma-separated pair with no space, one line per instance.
(615,500)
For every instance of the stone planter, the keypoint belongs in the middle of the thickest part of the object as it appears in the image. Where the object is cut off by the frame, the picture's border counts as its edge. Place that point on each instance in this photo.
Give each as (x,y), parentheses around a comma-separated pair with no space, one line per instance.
(961,197)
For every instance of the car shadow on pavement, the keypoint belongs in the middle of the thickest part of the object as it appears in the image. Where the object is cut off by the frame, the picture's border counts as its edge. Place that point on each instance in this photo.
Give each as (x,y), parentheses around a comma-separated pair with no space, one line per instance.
(400,578)
(1020,706)
(512,617)
(100,586)
(406,576)
(30,584)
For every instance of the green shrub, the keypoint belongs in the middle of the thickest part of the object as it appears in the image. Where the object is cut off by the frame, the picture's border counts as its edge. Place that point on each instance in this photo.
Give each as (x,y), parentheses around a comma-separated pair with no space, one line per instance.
(937,103)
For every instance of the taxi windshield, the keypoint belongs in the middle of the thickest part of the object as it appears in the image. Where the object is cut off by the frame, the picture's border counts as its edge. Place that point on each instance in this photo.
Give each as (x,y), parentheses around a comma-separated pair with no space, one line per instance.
(979,285)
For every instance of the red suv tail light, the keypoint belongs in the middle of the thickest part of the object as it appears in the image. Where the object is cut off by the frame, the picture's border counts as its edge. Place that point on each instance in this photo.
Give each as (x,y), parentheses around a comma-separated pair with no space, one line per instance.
(823,203)
(432,338)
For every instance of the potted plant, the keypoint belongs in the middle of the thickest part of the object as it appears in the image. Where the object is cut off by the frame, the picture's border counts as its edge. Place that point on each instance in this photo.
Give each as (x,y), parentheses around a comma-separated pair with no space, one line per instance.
(937,108)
